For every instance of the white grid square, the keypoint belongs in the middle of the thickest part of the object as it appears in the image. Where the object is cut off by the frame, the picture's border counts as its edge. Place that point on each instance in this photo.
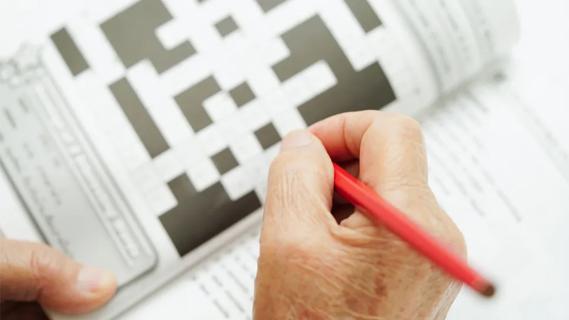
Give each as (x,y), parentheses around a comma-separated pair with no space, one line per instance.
(245,147)
(203,175)
(167,165)
(220,106)
(160,199)
(212,140)
(236,183)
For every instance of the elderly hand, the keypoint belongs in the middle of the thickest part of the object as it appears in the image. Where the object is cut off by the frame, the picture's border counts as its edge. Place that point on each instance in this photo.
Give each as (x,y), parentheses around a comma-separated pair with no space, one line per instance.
(317,265)
(33,274)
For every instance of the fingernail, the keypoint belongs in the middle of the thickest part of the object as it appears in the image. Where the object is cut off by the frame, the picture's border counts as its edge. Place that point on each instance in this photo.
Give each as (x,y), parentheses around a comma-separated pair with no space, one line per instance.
(92,279)
(296,139)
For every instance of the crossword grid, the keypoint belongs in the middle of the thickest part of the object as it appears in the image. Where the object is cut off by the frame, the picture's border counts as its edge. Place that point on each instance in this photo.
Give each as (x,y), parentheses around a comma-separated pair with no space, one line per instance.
(210,92)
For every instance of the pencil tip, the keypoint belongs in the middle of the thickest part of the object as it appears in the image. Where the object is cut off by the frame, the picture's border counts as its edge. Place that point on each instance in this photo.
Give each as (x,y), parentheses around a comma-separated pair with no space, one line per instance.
(488,290)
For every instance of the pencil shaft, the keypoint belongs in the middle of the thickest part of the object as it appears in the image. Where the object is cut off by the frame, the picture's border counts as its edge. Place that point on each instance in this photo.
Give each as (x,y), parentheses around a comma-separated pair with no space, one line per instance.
(397,222)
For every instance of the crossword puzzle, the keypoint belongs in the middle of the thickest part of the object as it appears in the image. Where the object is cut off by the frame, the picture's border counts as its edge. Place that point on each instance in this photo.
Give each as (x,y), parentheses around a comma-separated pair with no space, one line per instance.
(238,112)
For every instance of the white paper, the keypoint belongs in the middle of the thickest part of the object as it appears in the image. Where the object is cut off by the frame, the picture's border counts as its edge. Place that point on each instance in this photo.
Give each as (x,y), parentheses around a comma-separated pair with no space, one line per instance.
(418,47)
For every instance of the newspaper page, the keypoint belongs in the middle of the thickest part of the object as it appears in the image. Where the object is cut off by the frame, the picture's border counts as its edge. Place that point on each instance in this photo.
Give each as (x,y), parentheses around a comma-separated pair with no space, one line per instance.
(136,135)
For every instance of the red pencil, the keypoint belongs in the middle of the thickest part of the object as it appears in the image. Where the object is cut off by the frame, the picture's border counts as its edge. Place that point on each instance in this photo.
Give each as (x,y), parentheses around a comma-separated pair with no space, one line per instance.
(393,219)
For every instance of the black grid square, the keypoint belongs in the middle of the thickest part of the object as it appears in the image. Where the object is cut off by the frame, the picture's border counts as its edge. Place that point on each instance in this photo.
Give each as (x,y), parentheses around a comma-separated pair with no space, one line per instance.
(267,135)
(224,161)
(226,26)
(242,94)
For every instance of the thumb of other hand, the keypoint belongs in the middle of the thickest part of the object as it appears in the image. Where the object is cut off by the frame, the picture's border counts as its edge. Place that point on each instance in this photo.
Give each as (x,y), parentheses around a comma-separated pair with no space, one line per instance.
(36,272)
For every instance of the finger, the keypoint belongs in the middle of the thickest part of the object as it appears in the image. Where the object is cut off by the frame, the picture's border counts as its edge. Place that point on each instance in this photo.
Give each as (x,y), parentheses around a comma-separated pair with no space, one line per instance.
(389,142)
(390,150)
(299,194)
(32,271)
(341,134)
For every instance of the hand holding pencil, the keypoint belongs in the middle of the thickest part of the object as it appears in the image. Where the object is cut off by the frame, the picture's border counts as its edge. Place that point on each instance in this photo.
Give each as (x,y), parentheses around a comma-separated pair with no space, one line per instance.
(318,262)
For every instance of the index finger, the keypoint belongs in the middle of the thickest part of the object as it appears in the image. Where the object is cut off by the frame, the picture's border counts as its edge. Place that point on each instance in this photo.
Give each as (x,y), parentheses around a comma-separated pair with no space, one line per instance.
(389,147)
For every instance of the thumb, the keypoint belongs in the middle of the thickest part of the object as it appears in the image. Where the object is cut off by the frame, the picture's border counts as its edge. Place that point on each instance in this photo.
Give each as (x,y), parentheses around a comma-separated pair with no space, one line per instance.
(299,193)
(32,271)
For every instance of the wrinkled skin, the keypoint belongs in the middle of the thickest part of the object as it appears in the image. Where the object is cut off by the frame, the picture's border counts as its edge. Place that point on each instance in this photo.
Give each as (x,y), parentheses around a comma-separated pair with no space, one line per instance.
(34,275)
(313,267)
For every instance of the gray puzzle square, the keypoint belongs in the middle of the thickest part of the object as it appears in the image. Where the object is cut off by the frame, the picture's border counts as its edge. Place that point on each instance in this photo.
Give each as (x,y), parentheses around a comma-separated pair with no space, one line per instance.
(226,26)
(242,94)
(267,135)
(224,161)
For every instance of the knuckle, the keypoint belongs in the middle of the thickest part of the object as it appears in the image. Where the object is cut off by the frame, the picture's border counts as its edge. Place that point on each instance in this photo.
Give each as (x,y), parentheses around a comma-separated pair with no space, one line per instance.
(280,164)
(284,163)
(292,193)
(290,162)
(289,169)
(406,127)
(44,261)
(283,178)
